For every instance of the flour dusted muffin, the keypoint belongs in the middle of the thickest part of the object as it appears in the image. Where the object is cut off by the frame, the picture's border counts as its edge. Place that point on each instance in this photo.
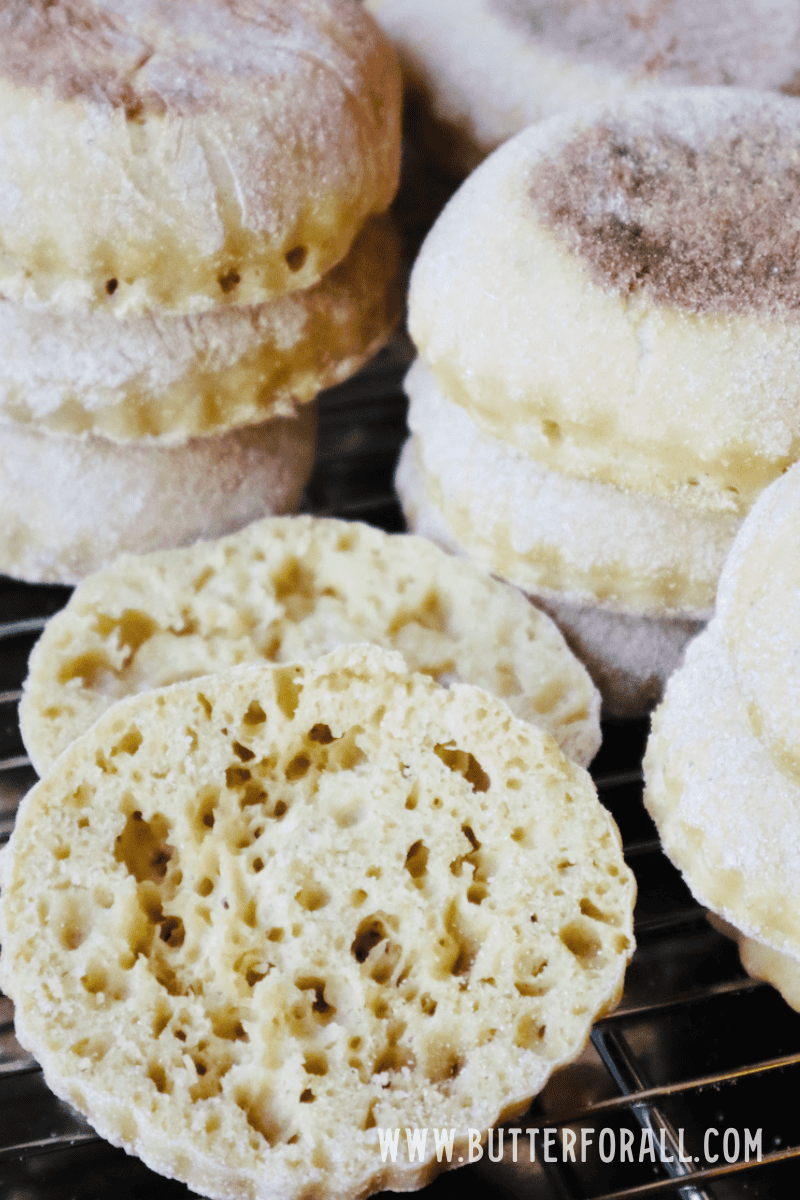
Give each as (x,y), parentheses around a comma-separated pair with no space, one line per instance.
(553,534)
(721,764)
(628,578)
(481,70)
(70,506)
(761,962)
(726,815)
(294,588)
(615,294)
(628,655)
(174,377)
(759,618)
(176,155)
(606,315)
(249,921)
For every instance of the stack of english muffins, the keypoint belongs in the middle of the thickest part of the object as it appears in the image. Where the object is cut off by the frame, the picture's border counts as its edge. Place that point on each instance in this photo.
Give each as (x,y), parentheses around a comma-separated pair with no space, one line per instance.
(191,247)
(606,321)
(722,765)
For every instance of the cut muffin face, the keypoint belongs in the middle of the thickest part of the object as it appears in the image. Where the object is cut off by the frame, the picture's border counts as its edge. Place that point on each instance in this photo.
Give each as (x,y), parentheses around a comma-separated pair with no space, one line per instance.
(177,157)
(274,911)
(291,589)
(658,234)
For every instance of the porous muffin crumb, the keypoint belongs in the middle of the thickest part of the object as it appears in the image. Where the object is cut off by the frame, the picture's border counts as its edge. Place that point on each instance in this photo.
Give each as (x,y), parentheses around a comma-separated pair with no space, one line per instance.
(251,920)
(287,589)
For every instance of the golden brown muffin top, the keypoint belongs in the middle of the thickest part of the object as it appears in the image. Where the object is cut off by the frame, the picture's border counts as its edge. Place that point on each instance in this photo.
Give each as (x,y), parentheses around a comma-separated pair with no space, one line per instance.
(698,207)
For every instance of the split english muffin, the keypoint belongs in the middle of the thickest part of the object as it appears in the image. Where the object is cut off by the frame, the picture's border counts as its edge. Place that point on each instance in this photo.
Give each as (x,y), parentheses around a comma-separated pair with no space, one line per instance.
(294,588)
(250,920)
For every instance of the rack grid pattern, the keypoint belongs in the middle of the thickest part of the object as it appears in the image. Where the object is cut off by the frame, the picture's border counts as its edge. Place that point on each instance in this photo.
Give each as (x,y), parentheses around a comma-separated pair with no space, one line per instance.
(697,1059)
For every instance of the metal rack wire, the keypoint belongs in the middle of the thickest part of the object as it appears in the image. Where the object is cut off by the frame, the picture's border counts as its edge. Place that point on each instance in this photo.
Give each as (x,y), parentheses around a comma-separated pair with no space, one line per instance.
(696,1050)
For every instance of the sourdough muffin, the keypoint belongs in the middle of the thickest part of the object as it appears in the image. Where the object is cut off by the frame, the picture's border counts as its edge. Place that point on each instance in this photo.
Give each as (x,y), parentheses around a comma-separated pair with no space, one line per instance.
(294,588)
(178,155)
(168,378)
(479,71)
(615,294)
(72,505)
(250,921)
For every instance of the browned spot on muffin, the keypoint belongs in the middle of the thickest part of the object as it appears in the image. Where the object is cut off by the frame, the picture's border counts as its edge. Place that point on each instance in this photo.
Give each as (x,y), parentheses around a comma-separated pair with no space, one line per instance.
(77,50)
(689,41)
(612,32)
(711,229)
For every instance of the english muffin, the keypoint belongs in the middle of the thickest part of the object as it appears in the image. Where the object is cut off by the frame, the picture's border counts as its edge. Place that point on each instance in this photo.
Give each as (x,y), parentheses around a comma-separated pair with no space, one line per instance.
(179,155)
(294,588)
(251,922)
(479,71)
(72,505)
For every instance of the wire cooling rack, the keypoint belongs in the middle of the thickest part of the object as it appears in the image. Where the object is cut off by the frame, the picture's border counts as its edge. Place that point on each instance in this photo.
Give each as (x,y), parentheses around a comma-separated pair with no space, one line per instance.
(695,1063)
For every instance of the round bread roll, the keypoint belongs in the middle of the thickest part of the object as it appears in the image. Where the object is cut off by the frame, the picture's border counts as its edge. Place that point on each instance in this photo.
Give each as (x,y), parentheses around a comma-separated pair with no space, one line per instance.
(760,619)
(615,293)
(176,155)
(725,814)
(552,534)
(292,588)
(481,70)
(629,656)
(171,377)
(70,506)
(251,921)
